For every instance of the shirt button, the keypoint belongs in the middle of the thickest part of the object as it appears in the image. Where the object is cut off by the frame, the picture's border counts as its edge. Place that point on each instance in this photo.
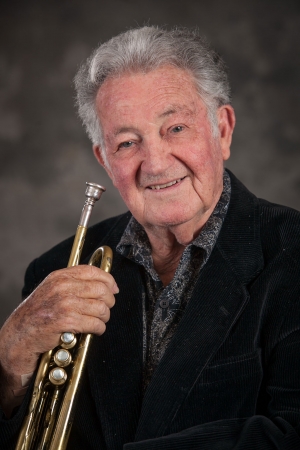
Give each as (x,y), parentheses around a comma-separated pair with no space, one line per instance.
(164,303)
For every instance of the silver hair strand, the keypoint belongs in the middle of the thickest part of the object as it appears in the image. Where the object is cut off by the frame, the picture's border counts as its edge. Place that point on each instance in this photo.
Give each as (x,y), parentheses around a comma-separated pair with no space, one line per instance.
(143,50)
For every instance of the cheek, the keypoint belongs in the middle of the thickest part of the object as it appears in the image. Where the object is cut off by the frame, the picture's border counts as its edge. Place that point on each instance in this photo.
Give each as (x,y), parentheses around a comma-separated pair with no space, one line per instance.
(206,164)
(119,173)
(207,157)
(199,160)
(123,179)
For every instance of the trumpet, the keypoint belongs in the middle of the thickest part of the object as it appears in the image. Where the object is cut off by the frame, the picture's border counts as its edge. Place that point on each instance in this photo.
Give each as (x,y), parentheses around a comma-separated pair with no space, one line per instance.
(48,422)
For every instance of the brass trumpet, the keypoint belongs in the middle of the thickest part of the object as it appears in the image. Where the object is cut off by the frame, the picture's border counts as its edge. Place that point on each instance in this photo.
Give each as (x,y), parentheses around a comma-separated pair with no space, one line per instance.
(48,423)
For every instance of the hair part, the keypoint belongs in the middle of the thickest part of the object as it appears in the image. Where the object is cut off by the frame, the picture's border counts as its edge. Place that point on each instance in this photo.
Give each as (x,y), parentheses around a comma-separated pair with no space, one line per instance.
(143,50)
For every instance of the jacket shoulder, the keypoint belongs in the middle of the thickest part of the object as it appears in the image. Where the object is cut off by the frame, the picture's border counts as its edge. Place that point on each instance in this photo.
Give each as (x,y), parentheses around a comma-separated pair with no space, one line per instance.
(280,230)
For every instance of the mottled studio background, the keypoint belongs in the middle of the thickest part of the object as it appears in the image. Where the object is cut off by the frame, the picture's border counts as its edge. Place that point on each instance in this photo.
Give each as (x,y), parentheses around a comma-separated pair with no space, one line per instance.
(45,157)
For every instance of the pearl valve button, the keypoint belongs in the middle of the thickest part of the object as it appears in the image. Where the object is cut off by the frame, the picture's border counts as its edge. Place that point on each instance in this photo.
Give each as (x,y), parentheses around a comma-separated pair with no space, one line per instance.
(57,376)
(62,358)
(68,340)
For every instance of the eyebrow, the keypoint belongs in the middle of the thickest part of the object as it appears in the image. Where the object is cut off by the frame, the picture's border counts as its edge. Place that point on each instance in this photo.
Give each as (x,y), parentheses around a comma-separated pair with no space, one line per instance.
(172,110)
(169,112)
(120,130)
(175,109)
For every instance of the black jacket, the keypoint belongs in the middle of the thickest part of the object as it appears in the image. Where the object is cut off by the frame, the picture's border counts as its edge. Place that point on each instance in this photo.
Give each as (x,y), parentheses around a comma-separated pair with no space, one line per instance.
(230,378)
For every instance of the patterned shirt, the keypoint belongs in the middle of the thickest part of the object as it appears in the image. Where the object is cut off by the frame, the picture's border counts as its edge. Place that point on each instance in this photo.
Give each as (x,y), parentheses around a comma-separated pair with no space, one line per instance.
(164,305)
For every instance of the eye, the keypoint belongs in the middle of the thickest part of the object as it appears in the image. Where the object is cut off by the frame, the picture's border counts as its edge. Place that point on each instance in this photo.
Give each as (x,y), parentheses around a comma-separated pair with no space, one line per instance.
(177,129)
(126,144)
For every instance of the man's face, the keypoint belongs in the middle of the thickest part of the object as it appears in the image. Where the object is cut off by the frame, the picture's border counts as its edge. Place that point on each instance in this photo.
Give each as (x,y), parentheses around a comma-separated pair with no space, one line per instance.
(160,151)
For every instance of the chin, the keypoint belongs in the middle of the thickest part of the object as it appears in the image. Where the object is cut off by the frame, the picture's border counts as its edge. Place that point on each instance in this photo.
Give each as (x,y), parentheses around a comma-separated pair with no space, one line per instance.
(171,220)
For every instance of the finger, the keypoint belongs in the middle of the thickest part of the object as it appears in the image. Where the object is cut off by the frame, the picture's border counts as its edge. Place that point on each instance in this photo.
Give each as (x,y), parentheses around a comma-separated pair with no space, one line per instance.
(85,324)
(87,273)
(96,326)
(92,308)
(68,290)
(92,289)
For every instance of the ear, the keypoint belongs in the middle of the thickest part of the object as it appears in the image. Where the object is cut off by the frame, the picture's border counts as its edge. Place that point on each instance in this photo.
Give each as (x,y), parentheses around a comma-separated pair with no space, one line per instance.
(98,155)
(226,120)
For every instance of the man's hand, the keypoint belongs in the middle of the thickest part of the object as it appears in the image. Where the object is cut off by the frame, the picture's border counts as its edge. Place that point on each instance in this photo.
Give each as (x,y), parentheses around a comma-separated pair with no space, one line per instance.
(77,299)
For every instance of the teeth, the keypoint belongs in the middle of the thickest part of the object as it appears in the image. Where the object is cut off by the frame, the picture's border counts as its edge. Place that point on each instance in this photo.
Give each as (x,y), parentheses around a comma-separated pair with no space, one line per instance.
(162,186)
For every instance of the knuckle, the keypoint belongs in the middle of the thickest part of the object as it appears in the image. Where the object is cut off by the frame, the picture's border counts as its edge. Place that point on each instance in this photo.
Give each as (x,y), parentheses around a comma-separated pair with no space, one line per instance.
(99,327)
(102,309)
(113,301)
(51,275)
(59,304)
(56,274)
(110,300)
(102,327)
(65,286)
(71,326)
(92,271)
(104,313)
(102,289)
(53,288)
(106,317)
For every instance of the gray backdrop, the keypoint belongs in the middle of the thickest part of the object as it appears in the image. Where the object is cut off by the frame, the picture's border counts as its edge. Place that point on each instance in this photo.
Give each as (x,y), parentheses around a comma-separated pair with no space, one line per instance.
(45,155)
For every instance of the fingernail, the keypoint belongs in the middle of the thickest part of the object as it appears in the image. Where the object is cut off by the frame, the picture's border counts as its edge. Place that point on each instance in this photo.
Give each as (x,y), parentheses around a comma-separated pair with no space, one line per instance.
(115,289)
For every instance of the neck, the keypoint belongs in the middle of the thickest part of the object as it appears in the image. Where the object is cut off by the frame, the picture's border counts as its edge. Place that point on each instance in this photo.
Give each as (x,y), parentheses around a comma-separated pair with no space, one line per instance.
(167,246)
(166,254)
(168,243)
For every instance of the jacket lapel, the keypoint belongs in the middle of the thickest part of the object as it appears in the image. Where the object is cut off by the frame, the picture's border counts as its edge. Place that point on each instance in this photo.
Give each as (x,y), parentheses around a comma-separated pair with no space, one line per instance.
(210,314)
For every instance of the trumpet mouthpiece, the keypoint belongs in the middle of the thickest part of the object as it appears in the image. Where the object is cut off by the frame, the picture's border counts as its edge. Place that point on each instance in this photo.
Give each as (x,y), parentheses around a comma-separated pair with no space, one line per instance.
(94,190)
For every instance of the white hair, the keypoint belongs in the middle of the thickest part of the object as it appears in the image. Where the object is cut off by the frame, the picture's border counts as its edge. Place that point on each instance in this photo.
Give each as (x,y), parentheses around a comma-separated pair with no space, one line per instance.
(143,50)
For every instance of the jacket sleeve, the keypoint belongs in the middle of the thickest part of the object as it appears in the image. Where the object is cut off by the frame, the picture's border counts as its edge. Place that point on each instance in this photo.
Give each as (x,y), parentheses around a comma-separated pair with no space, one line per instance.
(10,428)
(257,432)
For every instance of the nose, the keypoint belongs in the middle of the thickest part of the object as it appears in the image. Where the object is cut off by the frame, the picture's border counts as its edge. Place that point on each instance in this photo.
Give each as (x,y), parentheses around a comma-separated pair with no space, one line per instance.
(157,157)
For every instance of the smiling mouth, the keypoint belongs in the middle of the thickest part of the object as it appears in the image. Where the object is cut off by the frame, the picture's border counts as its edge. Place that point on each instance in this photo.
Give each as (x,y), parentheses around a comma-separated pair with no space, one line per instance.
(157,187)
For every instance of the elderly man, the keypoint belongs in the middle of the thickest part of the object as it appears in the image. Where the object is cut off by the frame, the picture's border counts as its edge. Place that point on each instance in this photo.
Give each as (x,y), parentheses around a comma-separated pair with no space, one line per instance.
(202,347)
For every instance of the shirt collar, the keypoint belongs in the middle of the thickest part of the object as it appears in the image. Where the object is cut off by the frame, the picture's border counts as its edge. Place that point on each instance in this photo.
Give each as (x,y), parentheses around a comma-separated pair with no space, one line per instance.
(134,243)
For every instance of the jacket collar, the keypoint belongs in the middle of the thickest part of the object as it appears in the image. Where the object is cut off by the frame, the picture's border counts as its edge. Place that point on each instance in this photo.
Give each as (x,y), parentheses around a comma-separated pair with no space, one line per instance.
(239,240)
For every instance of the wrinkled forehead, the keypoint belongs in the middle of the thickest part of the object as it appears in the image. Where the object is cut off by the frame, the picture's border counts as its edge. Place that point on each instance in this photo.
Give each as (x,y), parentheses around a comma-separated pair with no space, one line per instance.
(168,89)
(165,75)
